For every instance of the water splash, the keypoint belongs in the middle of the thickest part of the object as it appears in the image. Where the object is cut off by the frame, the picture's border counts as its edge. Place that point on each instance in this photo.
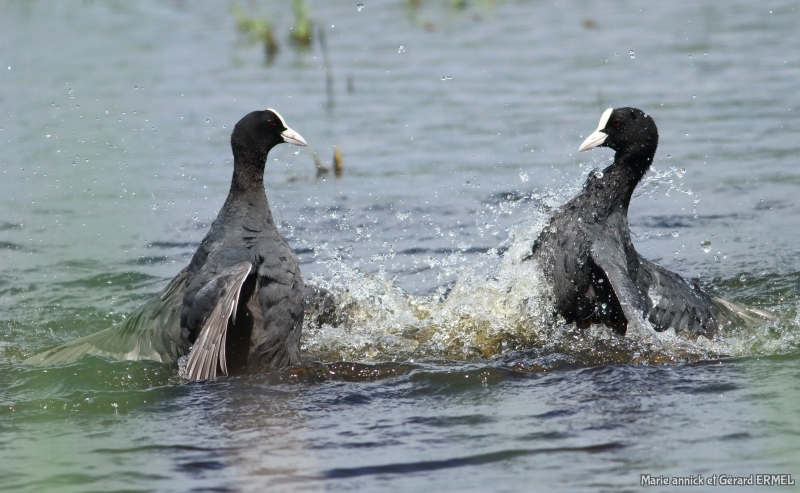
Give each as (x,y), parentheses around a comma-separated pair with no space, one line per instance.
(500,306)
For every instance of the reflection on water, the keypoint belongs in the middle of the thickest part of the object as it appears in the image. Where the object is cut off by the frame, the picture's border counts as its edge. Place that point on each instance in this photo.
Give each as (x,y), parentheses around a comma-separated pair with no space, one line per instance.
(444,365)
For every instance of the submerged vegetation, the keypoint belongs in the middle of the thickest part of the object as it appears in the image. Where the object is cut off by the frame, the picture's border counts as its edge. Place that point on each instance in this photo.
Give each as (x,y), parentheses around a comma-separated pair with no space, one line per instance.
(263,30)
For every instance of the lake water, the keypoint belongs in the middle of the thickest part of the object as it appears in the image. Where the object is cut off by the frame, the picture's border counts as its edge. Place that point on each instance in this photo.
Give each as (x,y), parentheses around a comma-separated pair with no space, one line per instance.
(445,368)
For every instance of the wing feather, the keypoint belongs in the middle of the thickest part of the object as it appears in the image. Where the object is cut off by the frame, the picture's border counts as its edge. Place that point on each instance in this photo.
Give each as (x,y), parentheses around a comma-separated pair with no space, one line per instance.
(151,332)
(210,345)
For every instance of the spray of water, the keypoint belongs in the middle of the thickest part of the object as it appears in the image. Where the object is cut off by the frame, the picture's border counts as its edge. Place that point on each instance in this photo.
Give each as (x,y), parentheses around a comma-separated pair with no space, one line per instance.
(501,306)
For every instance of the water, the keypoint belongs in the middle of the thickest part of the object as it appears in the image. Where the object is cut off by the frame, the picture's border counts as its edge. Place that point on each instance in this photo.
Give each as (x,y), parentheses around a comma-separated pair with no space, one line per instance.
(115,119)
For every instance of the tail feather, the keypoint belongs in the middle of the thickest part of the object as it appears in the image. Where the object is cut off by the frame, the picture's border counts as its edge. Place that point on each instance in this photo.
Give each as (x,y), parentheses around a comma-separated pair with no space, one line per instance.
(750,316)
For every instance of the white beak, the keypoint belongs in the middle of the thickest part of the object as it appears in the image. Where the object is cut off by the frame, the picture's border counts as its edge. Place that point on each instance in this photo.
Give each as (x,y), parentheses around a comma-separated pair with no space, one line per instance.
(293,137)
(594,140)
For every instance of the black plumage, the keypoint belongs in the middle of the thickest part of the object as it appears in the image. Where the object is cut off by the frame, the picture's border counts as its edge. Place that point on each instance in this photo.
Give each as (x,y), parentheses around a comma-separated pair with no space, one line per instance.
(240,302)
(588,256)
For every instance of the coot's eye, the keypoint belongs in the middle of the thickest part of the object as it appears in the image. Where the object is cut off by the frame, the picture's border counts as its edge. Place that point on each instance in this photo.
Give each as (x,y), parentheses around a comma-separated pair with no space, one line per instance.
(271,123)
(617,123)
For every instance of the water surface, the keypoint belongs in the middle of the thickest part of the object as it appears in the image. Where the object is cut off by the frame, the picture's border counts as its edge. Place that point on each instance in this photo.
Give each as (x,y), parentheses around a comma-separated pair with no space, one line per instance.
(446,368)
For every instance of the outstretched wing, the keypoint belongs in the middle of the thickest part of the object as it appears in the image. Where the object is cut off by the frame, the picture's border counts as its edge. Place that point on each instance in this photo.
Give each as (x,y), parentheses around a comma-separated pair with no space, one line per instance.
(219,299)
(609,256)
(684,306)
(677,304)
(151,332)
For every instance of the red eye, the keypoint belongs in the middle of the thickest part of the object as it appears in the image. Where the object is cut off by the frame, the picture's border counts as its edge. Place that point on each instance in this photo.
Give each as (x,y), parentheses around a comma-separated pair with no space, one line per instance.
(617,123)
(271,124)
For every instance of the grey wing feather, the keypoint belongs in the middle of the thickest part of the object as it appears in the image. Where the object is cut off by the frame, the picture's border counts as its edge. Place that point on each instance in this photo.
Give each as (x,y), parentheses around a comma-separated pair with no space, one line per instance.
(751,316)
(610,257)
(210,345)
(151,332)
(684,306)
(677,304)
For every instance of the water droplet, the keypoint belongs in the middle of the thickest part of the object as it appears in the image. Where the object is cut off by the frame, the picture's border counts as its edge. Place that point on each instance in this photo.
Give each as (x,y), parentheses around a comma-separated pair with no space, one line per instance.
(716,258)
(523,176)
(669,156)
(706,245)
(705,53)
(468,182)
(402,49)
(447,77)
(743,279)
(694,97)
(675,234)
(604,306)
(598,174)
(683,170)
(632,54)
(360,7)
(297,152)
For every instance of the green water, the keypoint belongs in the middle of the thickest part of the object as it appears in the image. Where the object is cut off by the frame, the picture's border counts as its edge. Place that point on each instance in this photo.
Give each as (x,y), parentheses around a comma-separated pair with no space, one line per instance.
(115,120)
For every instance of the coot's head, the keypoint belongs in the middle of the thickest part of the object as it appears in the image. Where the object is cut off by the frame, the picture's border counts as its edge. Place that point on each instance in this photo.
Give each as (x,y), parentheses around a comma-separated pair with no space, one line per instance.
(264,130)
(625,130)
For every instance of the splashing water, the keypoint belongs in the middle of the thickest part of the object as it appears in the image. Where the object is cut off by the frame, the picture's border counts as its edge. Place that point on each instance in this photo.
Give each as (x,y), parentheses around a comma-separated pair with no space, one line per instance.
(502,305)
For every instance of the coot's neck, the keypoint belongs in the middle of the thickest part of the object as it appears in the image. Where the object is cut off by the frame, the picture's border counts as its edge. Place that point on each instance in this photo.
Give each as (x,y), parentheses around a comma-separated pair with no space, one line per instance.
(248,166)
(612,189)
(247,196)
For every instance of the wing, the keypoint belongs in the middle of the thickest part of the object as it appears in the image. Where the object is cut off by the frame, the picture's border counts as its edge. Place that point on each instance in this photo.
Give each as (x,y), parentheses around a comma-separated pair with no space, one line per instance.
(151,332)
(677,304)
(215,303)
(684,306)
(609,255)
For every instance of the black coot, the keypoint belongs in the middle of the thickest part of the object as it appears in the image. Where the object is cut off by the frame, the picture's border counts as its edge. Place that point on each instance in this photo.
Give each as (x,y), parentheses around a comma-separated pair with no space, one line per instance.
(587,254)
(240,302)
